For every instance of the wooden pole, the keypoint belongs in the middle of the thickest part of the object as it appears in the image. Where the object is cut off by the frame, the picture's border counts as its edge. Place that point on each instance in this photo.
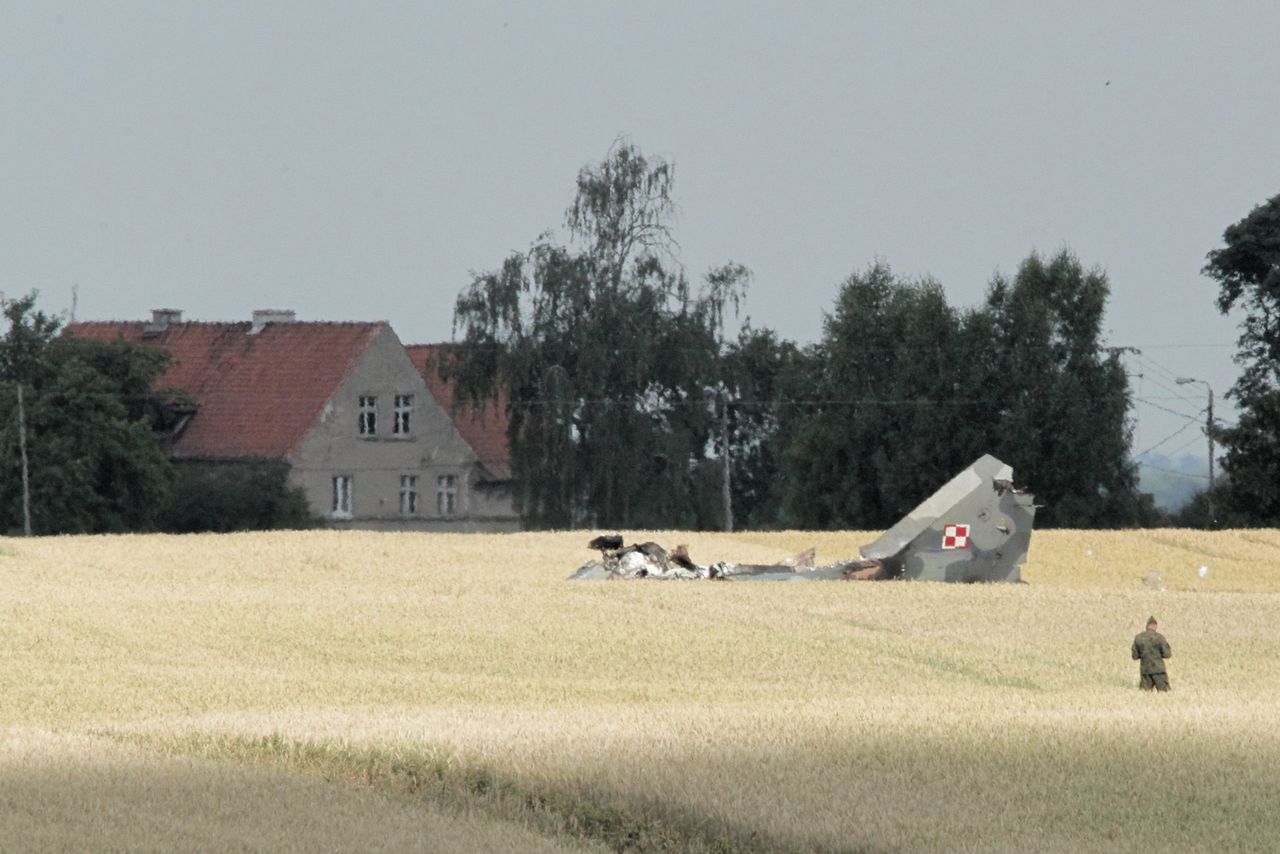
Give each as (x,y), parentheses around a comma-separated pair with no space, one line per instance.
(22,447)
(1208,429)
(726,491)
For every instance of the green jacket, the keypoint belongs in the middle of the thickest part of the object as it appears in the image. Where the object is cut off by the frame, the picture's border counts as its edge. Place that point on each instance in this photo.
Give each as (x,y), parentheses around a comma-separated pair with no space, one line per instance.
(1151,649)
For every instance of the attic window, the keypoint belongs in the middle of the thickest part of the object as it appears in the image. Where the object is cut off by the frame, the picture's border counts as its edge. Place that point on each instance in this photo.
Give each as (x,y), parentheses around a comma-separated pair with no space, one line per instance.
(368,422)
(404,408)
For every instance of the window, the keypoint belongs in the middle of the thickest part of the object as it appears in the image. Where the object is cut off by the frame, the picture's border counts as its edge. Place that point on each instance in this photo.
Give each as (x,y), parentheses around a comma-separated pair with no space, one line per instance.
(404,408)
(447,494)
(408,495)
(368,415)
(342,496)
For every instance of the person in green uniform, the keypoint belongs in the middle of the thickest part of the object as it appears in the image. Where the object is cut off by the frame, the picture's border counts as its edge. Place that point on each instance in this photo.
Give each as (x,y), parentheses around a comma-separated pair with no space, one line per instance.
(1151,649)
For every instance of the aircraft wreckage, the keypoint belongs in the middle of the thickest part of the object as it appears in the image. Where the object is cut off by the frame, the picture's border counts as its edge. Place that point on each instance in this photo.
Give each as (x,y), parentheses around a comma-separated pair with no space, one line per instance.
(975,528)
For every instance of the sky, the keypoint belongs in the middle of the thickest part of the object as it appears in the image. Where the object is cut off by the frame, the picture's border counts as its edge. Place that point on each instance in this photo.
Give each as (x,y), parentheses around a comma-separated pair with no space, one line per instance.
(360,161)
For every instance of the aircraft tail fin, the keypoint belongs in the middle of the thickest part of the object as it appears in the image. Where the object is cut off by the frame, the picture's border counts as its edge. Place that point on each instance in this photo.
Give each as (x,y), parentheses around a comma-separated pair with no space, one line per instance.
(977,527)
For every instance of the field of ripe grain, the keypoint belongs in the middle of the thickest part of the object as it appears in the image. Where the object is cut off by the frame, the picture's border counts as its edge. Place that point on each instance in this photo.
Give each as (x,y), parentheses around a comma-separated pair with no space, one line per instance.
(359,691)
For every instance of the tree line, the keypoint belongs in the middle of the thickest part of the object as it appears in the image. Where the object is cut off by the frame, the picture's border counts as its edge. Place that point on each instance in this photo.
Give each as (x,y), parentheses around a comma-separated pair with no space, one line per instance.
(631,407)
(1247,270)
(82,443)
(632,404)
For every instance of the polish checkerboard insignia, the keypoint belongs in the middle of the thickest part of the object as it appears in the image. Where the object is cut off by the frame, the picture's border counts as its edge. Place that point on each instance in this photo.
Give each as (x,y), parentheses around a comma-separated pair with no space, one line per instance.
(955,537)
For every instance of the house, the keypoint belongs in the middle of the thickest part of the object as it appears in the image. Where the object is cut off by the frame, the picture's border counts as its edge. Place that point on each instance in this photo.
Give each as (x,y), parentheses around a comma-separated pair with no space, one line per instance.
(342,404)
(484,429)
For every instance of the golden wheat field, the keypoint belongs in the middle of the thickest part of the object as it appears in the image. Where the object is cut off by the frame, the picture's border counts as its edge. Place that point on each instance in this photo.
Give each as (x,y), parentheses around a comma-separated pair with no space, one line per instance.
(358,691)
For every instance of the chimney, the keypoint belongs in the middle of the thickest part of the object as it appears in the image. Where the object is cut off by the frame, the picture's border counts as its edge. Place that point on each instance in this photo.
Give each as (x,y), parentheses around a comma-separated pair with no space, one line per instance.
(263,316)
(161,318)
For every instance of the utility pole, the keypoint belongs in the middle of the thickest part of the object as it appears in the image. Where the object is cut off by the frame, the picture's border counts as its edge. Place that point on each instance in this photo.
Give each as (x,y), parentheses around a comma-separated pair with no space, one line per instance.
(1208,431)
(721,408)
(726,493)
(22,447)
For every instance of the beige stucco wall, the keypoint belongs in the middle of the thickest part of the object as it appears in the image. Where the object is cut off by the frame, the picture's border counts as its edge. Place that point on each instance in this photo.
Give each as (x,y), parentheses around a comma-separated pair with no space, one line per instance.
(490,500)
(432,448)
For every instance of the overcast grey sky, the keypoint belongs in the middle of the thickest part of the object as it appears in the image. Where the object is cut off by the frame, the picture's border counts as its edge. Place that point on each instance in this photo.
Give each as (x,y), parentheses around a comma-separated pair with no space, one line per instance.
(357,160)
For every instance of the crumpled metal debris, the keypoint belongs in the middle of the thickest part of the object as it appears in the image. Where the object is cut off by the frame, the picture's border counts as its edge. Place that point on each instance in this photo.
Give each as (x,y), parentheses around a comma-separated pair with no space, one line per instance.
(975,528)
(650,560)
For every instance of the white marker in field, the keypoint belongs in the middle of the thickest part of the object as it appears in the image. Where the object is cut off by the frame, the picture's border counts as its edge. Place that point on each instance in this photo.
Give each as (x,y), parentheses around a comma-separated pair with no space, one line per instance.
(1203,571)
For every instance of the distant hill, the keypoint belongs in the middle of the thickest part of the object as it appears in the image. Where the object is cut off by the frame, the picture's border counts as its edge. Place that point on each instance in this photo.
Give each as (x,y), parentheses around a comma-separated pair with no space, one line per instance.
(1172,480)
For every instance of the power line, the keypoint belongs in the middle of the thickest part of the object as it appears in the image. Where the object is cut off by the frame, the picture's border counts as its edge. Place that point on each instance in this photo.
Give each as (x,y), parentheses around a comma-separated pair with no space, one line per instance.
(1187,475)
(1170,436)
(1151,403)
(1184,446)
(1168,375)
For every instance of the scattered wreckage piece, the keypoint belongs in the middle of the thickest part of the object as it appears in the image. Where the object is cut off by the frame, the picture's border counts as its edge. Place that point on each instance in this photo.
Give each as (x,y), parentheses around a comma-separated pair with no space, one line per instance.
(650,560)
(977,527)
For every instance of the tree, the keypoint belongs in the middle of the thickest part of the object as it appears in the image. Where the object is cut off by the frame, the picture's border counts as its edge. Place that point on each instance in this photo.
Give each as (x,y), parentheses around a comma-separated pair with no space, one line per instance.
(1056,399)
(1196,512)
(906,391)
(28,333)
(605,354)
(1247,270)
(874,437)
(764,376)
(94,461)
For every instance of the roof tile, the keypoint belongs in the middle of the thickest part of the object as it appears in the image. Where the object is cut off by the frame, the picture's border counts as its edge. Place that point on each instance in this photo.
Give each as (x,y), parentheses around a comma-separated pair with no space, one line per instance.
(256,395)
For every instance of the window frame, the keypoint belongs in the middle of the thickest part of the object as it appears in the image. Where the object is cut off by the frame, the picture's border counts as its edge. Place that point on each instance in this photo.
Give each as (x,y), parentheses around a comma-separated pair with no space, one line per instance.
(409,503)
(401,418)
(367,415)
(447,495)
(342,501)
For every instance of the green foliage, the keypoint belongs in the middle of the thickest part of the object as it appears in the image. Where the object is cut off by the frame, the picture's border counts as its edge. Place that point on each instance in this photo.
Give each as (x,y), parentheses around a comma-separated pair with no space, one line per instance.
(882,428)
(619,383)
(605,354)
(94,464)
(29,333)
(1059,399)
(764,372)
(906,391)
(1247,269)
(238,496)
(1253,460)
(1196,512)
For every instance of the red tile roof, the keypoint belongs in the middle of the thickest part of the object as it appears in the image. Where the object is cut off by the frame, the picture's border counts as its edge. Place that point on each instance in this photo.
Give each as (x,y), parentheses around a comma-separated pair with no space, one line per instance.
(485,431)
(256,395)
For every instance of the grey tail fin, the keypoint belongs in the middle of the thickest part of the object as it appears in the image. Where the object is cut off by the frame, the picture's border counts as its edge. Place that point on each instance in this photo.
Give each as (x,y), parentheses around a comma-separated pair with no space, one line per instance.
(977,527)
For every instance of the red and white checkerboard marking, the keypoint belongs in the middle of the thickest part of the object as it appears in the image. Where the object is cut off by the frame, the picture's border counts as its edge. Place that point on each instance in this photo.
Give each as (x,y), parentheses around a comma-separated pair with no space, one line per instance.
(955,537)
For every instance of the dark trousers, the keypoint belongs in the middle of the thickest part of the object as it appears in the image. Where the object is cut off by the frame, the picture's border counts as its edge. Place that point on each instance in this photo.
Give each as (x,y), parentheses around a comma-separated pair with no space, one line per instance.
(1159,681)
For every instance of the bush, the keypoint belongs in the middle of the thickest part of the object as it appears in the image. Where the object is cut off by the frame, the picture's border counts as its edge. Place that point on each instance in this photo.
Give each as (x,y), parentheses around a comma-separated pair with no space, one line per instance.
(233,496)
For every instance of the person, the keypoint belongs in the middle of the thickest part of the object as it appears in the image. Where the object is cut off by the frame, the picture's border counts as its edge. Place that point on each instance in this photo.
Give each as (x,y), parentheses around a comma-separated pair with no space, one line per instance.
(1152,649)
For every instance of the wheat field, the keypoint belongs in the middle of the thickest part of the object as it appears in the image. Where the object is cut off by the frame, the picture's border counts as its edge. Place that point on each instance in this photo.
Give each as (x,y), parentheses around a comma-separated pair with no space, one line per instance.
(360,691)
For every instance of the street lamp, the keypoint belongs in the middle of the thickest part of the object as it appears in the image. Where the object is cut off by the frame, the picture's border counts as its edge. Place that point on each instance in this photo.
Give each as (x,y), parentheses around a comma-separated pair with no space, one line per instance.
(1208,431)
